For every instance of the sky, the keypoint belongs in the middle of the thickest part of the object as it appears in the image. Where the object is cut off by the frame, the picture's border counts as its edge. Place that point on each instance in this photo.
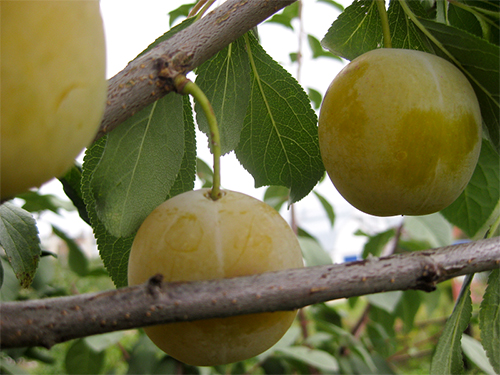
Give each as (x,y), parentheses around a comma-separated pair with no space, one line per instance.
(131,25)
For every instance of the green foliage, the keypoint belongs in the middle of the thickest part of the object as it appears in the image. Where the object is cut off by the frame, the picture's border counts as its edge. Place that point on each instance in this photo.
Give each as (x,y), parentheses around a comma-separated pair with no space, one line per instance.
(479,204)
(279,140)
(268,120)
(448,356)
(488,320)
(19,239)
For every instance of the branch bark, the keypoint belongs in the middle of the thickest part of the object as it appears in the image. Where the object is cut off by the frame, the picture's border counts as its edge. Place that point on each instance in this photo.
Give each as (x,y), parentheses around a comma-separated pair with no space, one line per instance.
(150,76)
(50,321)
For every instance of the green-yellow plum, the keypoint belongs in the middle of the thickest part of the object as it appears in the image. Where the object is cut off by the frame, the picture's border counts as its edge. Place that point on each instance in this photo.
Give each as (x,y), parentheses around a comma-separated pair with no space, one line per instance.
(192,237)
(400,132)
(53,88)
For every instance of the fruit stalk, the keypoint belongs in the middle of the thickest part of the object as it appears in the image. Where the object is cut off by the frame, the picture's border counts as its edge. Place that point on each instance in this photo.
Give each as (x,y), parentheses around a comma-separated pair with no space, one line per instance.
(385,23)
(186,86)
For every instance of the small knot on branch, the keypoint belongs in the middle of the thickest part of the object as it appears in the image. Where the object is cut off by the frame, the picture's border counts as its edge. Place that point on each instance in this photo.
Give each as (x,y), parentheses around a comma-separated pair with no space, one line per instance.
(429,278)
(154,285)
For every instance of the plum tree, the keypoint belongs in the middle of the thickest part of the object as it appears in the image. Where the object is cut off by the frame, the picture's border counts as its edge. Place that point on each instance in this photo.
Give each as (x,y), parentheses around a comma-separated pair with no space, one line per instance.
(53,88)
(400,132)
(193,237)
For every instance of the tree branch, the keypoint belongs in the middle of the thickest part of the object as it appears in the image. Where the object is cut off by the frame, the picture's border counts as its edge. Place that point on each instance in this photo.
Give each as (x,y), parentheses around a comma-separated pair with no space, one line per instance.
(50,321)
(150,76)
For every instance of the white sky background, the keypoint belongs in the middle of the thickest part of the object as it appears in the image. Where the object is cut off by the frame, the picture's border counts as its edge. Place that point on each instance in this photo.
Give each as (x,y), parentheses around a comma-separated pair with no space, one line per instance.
(131,25)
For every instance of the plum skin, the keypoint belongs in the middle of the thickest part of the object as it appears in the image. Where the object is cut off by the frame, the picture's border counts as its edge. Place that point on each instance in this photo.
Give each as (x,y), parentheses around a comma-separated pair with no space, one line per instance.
(53,88)
(400,132)
(191,237)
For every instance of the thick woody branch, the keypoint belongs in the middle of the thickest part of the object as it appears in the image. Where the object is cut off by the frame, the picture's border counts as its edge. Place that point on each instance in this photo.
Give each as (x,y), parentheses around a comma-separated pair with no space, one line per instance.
(50,321)
(150,76)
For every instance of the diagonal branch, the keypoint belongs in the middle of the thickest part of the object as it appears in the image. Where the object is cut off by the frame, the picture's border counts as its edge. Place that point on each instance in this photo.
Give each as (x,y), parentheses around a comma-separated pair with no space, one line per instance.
(50,321)
(150,76)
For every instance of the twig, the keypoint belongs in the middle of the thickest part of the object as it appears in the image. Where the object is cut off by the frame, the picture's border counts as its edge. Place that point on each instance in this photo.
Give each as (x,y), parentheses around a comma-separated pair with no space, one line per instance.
(150,76)
(49,321)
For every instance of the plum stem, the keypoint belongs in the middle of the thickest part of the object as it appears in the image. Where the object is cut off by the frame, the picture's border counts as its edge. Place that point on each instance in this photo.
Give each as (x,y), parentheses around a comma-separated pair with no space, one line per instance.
(188,87)
(385,23)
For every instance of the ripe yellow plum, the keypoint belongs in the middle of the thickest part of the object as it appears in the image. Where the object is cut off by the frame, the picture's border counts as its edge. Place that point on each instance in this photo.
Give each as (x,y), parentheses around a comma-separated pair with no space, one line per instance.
(192,237)
(400,132)
(53,88)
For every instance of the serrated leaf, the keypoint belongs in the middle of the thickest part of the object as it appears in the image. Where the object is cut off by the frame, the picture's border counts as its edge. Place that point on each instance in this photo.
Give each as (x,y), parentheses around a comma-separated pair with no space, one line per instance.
(357,30)
(114,250)
(72,186)
(479,204)
(314,357)
(225,80)
(279,141)
(447,358)
(19,238)
(489,321)
(140,162)
(482,68)
(187,173)
(404,33)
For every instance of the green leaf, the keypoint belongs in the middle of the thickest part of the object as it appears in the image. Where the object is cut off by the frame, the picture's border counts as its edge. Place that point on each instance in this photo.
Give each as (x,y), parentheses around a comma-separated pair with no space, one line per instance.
(356,30)
(333,3)
(475,352)
(313,253)
(433,229)
(112,249)
(19,238)
(318,50)
(447,358)
(375,244)
(404,33)
(313,357)
(286,16)
(72,186)
(327,207)
(187,173)
(279,141)
(489,321)
(407,309)
(36,202)
(225,80)
(480,61)
(204,173)
(98,343)
(81,359)
(182,11)
(140,162)
(479,204)
(77,261)
(387,301)
(315,97)
(276,196)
